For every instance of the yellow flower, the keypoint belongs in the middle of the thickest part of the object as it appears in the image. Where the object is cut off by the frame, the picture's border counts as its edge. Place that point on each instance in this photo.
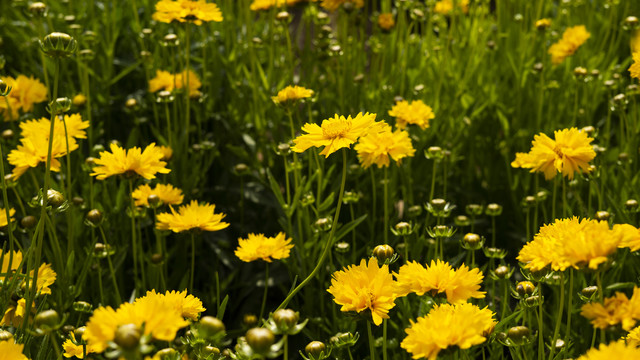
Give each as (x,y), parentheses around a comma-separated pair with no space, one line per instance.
(133,161)
(46,277)
(33,151)
(570,152)
(634,69)
(14,315)
(26,91)
(462,325)
(17,256)
(194,82)
(163,81)
(444,7)
(416,113)
(105,321)
(79,100)
(615,310)
(365,287)
(166,193)
(192,216)
(7,103)
(292,94)
(41,127)
(257,5)
(258,246)
(572,39)
(167,152)
(386,21)
(3,223)
(169,82)
(458,285)
(570,243)
(633,337)
(72,350)
(11,351)
(543,23)
(378,145)
(187,10)
(333,5)
(188,306)
(334,134)
(613,350)
(629,236)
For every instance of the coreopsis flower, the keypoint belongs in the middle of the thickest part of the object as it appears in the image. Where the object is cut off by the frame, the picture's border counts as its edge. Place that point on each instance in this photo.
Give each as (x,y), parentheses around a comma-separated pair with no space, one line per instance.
(187,305)
(74,124)
(196,12)
(633,337)
(379,145)
(543,23)
(104,323)
(26,91)
(14,315)
(72,349)
(3,219)
(629,236)
(164,80)
(79,100)
(572,39)
(167,152)
(292,94)
(570,243)
(445,7)
(260,247)
(11,351)
(130,162)
(46,277)
(365,287)
(613,350)
(462,325)
(15,262)
(168,194)
(458,285)
(258,5)
(568,153)
(333,5)
(334,134)
(192,216)
(618,309)
(416,113)
(34,150)
(634,69)
(386,21)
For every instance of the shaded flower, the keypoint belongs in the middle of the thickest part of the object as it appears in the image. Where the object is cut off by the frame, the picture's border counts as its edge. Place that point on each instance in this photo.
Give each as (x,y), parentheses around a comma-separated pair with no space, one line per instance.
(46,277)
(613,350)
(365,287)
(292,93)
(333,5)
(128,162)
(444,7)
(257,5)
(570,152)
(196,12)
(462,325)
(634,69)
(71,349)
(260,247)
(386,21)
(334,134)
(192,216)
(14,315)
(168,194)
(164,80)
(11,351)
(618,309)
(26,91)
(458,285)
(416,113)
(378,145)
(633,337)
(3,223)
(572,39)
(16,259)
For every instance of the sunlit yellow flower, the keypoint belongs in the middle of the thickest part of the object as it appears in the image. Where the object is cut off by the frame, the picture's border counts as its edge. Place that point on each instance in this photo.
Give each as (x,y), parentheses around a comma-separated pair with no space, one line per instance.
(26,91)
(570,152)
(169,82)
(163,81)
(194,82)
(15,260)
(570,243)
(168,194)
(386,21)
(33,151)
(72,350)
(378,145)
(634,69)
(333,5)
(11,351)
(192,216)
(292,93)
(572,39)
(133,161)
(462,326)
(46,277)
(74,123)
(257,5)
(458,285)
(416,113)
(196,12)
(617,309)
(185,304)
(79,100)
(365,287)
(105,321)
(543,23)
(444,7)
(3,220)
(14,315)
(613,350)
(260,247)
(334,134)
(633,337)
(629,236)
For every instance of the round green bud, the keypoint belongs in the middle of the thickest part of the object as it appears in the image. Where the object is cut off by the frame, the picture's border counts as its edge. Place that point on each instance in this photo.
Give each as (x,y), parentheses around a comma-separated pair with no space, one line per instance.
(285,318)
(383,253)
(260,339)
(314,349)
(127,336)
(94,216)
(210,326)
(58,45)
(29,222)
(47,320)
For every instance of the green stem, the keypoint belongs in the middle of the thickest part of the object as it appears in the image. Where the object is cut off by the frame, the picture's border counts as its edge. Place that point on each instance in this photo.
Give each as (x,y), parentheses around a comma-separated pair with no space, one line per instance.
(540,324)
(569,307)
(70,240)
(110,263)
(169,131)
(188,110)
(193,260)
(556,331)
(433,179)
(384,338)
(134,243)
(371,341)
(327,246)
(266,288)
(385,186)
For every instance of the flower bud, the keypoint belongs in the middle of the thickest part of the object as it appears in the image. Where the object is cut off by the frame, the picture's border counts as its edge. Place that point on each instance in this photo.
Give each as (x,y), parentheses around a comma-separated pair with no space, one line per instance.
(473,241)
(518,334)
(473,209)
(165,96)
(170,40)
(241,169)
(543,24)
(314,349)
(525,288)
(342,247)
(260,339)
(59,106)
(94,216)
(283,16)
(82,306)
(168,353)
(323,224)
(79,100)
(58,45)
(462,220)
(602,215)
(29,222)
(493,210)
(156,259)
(210,326)
(434,152)
(589,291)
(414,211)
(47,320)
(79,332)
(383,253)
(285,319)
(153,200)
(538,67)
(38,9)
(403,229)
(55,198)
(5,335)
(631,22)
(127,336)
(580,72)
(631,205)
(131,103)
(249,320)
(77,201)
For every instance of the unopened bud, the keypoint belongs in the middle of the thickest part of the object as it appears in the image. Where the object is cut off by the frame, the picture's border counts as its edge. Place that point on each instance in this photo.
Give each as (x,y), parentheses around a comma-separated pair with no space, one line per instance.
(383,253)
(260,339)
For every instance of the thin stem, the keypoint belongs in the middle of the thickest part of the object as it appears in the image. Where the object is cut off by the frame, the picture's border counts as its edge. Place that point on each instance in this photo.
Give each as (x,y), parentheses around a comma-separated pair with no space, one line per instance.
(556,331)
(134,243)
(186,75)
(371,341)
(540,324)
(193,260)
(433,179)
(569,307)
(327,246)
(111,269)
(385,186)
(266,288)
(384,338)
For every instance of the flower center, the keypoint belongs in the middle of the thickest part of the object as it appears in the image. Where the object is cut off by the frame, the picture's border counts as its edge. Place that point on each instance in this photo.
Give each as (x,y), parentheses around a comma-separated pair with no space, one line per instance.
(558,150)
(336,128)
